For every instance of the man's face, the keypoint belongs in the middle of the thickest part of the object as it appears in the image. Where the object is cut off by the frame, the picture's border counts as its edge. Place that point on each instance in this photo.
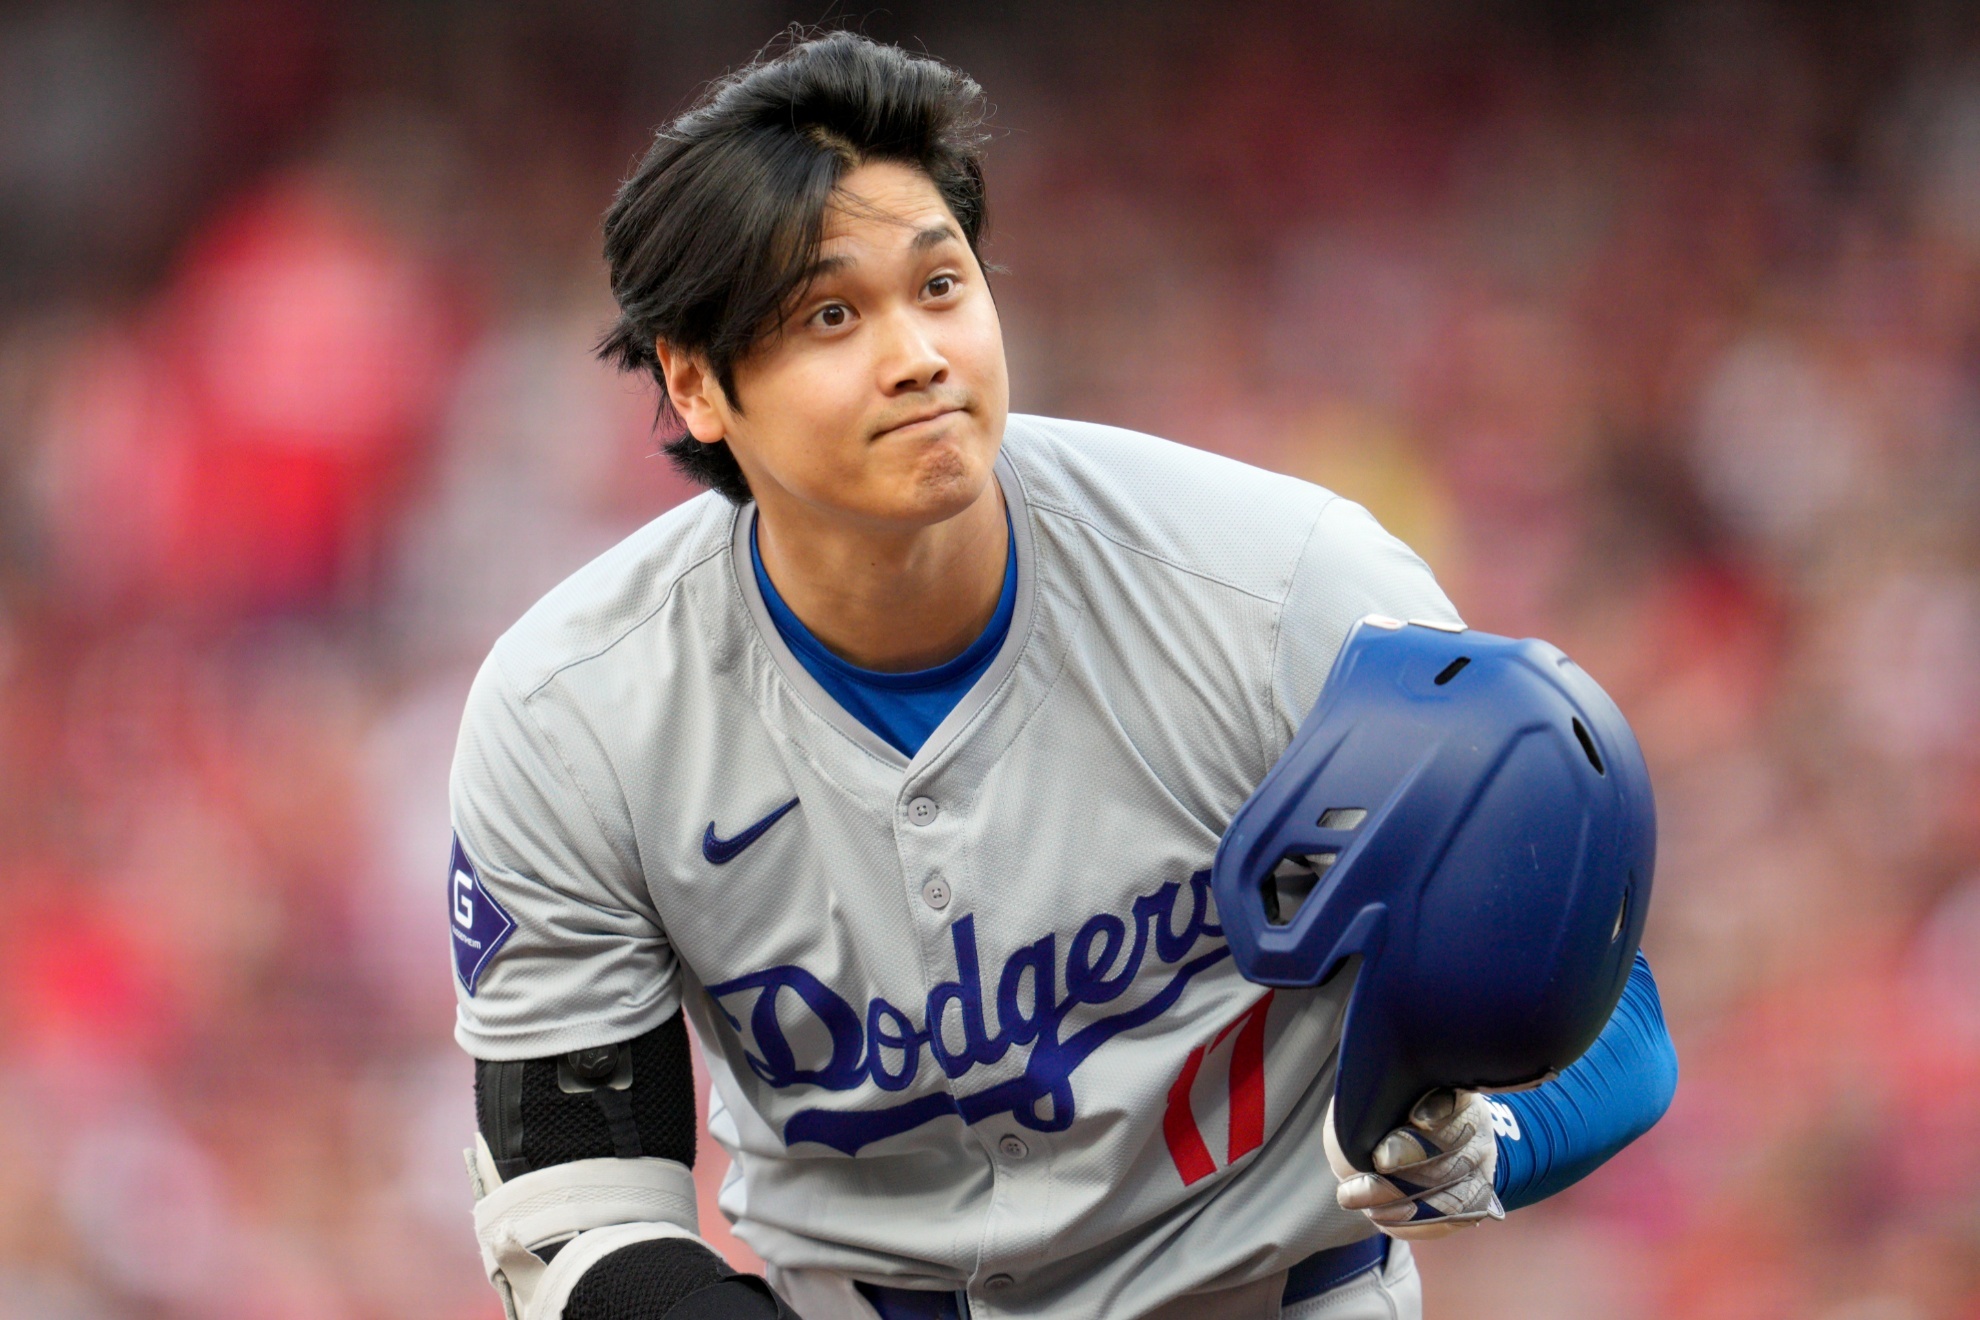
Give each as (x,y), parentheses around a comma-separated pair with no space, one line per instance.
(883,395)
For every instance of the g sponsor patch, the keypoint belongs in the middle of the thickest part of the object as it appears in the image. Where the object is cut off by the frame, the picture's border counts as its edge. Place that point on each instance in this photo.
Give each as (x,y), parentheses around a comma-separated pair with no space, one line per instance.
(480,925)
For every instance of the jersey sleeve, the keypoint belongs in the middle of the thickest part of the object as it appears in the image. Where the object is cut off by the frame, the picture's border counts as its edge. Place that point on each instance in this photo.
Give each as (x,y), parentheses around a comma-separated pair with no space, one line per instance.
(1350,568)
(557,945)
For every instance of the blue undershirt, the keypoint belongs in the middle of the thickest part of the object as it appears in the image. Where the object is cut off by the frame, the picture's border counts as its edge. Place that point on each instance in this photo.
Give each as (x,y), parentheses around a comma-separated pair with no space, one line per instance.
(1606,1099)
(902,708)
(1566,1129)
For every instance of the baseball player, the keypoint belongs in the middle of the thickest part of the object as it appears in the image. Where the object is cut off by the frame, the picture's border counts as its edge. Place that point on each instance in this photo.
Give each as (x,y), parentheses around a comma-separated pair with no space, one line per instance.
(895,764)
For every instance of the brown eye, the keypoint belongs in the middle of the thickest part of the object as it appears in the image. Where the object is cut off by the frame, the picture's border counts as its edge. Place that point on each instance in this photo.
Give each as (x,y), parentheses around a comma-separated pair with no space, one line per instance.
(832,317)
(942,285)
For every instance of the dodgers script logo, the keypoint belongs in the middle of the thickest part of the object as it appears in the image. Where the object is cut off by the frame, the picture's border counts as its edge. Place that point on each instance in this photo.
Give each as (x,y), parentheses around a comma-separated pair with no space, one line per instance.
(884,1044)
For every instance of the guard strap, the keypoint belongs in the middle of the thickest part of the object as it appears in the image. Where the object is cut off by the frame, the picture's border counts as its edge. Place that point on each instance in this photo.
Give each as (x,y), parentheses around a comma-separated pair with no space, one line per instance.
(553,1215)
(618,1111)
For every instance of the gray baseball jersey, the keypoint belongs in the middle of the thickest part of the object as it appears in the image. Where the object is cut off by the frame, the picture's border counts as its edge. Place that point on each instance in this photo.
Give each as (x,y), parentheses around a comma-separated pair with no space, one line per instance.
(970,1017)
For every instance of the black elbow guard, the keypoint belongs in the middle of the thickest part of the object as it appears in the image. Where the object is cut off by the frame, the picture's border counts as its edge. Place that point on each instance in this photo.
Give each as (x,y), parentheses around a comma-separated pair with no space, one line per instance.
(620,1119)
(628,1100)
(671,1279)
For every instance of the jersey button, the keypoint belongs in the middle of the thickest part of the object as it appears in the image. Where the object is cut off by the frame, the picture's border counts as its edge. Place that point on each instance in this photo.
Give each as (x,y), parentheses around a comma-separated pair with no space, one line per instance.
(923,810)
(936,892)
(998,1282)
(1013,1147)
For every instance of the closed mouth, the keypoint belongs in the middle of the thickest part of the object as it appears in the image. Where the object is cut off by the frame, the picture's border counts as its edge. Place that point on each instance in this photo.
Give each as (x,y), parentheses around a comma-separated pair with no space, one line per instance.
(917,420)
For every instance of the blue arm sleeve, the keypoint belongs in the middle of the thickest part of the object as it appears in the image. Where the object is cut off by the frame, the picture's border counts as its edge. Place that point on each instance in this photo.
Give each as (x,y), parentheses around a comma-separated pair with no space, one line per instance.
(1563,1131)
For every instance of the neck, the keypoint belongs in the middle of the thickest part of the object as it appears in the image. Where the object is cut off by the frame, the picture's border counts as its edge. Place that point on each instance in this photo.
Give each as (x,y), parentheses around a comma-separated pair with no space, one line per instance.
(888,598)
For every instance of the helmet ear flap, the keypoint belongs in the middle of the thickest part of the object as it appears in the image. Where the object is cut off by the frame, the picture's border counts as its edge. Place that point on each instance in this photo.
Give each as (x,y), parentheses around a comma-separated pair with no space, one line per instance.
(1368,1092)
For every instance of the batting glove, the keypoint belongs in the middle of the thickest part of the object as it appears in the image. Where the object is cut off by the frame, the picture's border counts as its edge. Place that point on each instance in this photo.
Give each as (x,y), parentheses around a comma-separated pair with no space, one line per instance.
(1431,1178)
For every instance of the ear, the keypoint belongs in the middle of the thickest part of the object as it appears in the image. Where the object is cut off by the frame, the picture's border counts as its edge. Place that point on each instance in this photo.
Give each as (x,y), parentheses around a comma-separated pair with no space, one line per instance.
(696,394)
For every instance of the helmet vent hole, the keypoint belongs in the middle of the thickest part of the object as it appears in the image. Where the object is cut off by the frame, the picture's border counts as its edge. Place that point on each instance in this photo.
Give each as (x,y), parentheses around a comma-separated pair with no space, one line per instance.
(1588,747)
(1342,818)
(1291,883)
(1452,670)
(1622,916)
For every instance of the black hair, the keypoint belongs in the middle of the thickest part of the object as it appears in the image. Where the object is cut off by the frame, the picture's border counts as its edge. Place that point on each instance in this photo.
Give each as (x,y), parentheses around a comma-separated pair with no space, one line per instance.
(716,232)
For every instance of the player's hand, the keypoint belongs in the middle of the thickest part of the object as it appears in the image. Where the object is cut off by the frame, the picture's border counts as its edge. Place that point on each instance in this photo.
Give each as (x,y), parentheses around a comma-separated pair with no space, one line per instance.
(1432,1177)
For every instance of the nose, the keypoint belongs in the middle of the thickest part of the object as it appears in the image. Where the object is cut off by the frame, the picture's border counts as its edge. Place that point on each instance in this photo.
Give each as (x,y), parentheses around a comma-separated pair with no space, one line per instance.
(912,360)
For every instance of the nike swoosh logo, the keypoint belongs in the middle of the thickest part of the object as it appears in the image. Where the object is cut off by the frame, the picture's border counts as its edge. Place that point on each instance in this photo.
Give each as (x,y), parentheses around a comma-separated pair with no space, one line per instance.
(719,851)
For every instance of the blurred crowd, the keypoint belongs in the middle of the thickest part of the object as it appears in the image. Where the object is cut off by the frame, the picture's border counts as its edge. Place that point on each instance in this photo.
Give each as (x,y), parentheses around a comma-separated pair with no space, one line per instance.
(1655,328)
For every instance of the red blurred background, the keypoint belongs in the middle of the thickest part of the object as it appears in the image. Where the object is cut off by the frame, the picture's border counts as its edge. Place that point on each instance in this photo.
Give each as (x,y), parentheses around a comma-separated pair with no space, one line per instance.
(1654,327)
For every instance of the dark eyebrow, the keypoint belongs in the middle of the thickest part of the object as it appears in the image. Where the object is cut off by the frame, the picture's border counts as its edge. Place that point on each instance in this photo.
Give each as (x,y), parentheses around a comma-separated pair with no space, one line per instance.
(935,236)
(932,236)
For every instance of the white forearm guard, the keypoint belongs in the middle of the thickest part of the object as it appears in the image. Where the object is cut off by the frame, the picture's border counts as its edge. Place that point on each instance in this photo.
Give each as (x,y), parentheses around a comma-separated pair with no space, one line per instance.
(587,1209)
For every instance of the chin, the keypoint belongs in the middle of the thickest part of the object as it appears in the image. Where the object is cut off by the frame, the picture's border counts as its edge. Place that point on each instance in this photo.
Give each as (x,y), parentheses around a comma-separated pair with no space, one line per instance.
(946,481)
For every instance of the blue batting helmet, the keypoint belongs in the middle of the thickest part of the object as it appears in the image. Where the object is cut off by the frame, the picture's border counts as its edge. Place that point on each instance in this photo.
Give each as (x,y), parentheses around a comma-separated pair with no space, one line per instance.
(1470,817)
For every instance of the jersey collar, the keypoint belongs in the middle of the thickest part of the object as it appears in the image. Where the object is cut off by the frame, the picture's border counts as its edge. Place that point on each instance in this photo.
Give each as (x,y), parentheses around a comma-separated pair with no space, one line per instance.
(986,687)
